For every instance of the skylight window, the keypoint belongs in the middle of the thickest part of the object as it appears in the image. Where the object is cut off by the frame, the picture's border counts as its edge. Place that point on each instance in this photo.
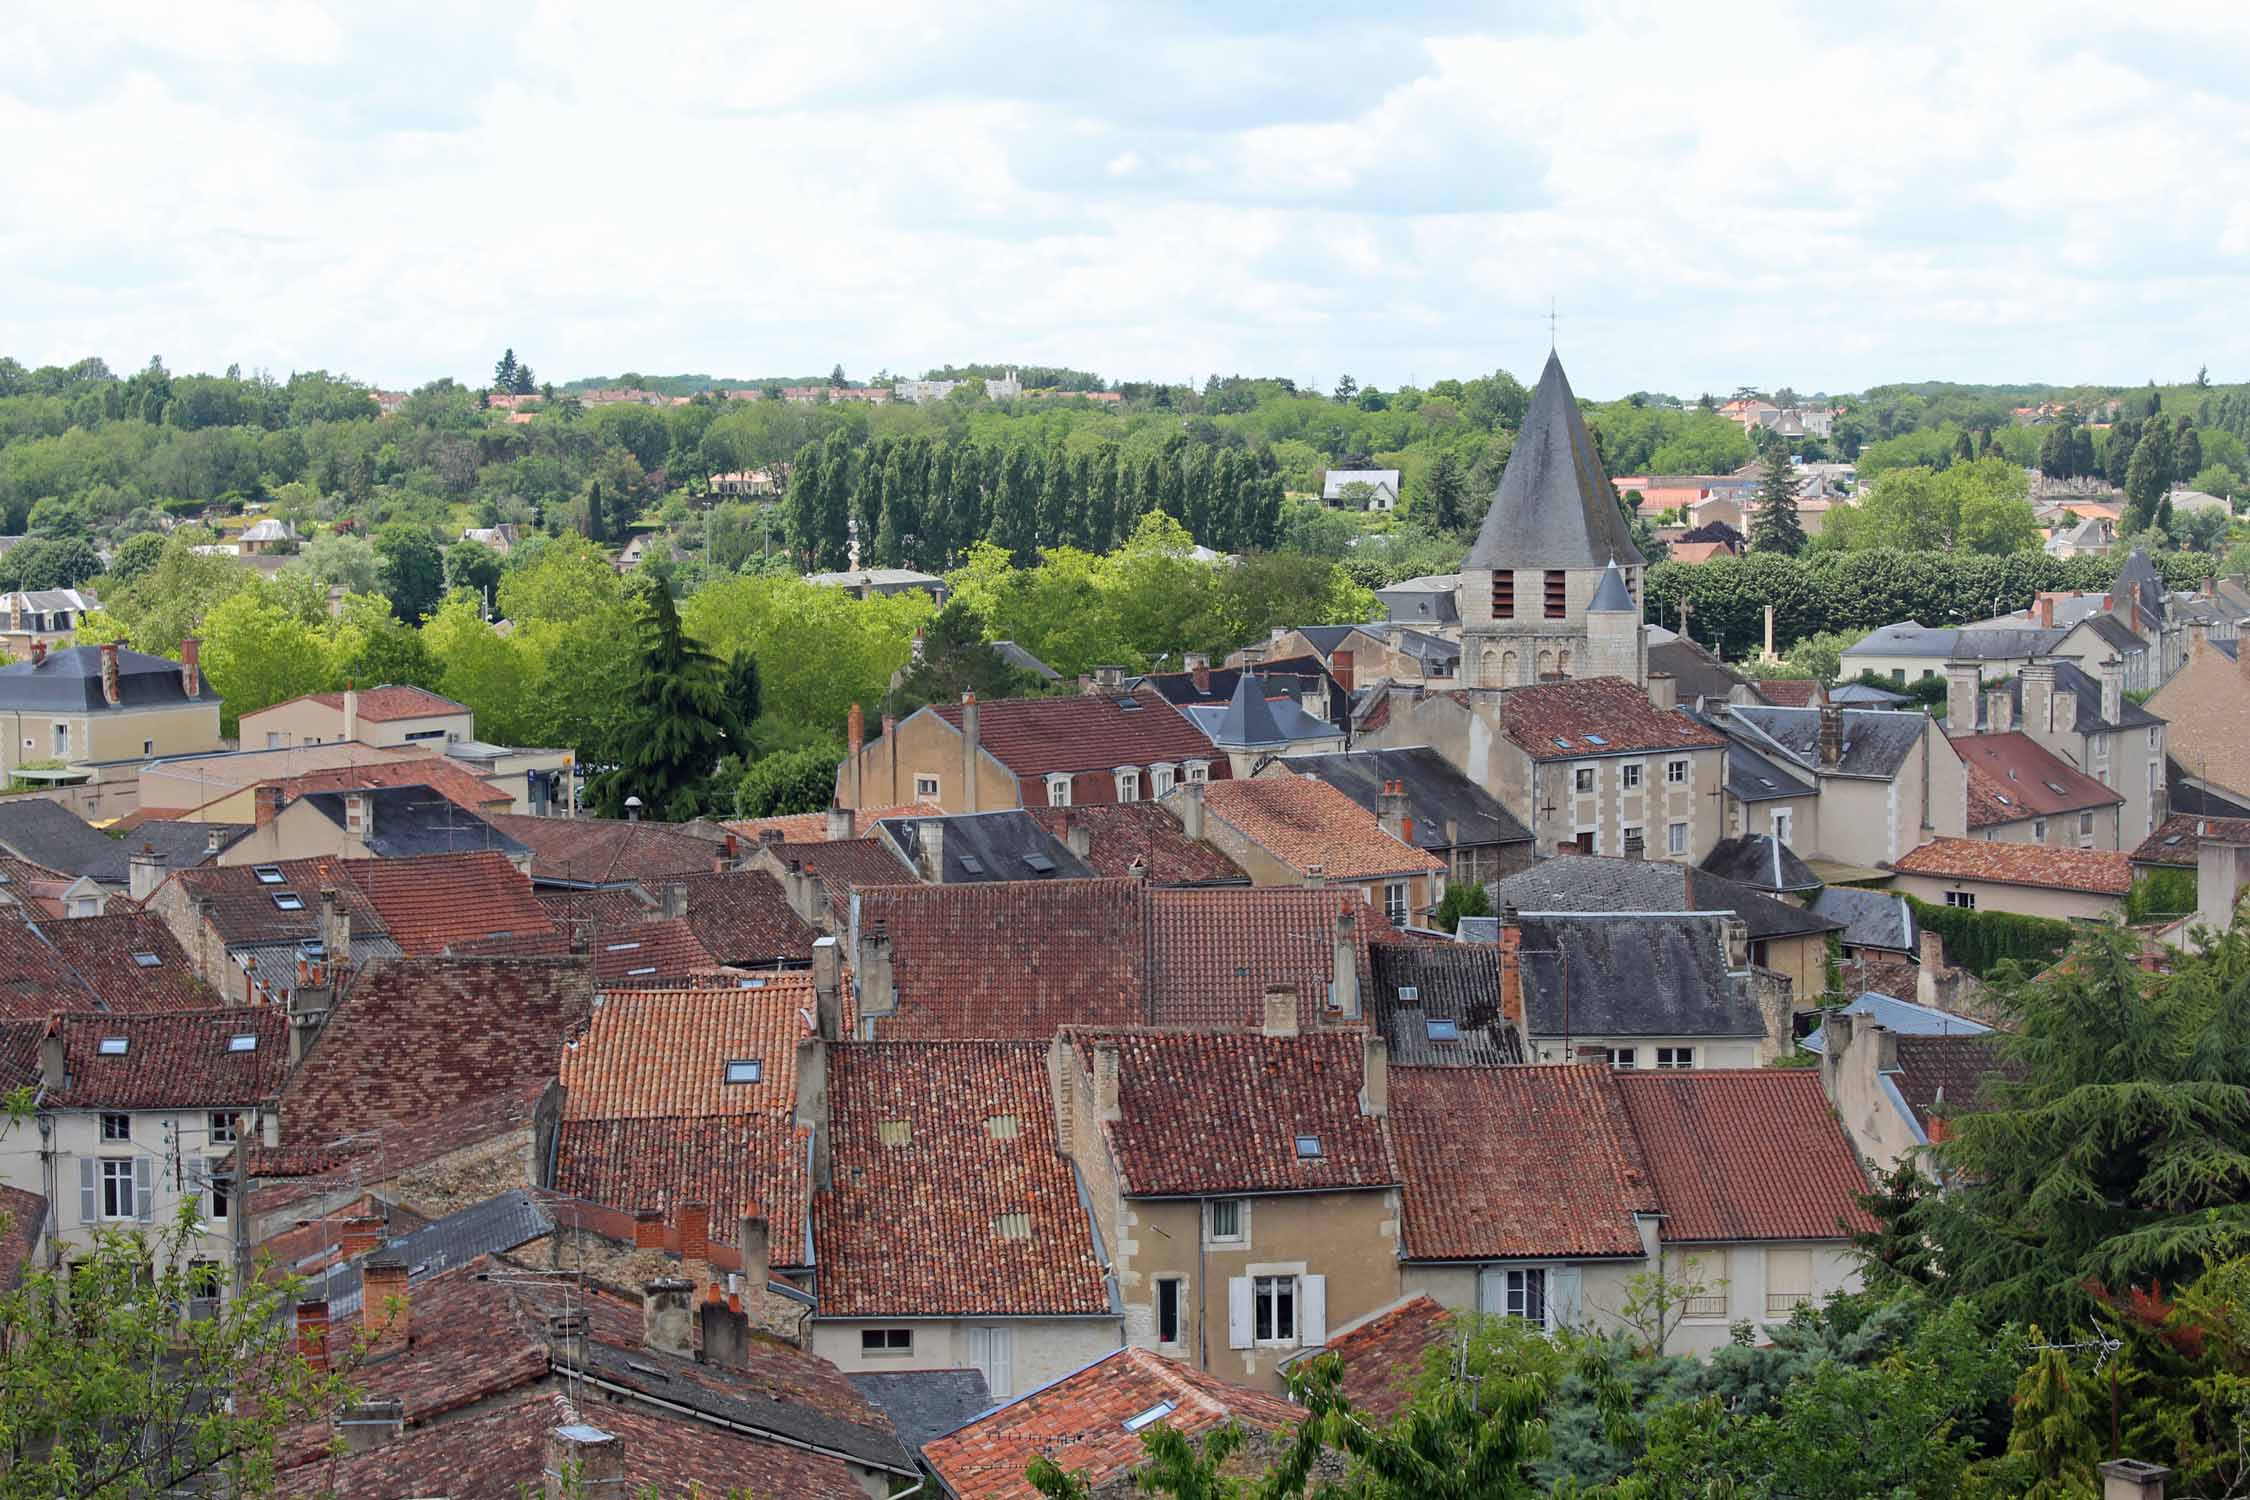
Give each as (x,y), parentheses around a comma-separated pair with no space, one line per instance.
(2058,791)
(619,947)
(972,864)
(746,1070)
(1445,1031)
(1012,1226)
(288,901)
(111,1046)
(637,973)
(1595,739)
(267,874)
(243,1041)
(1156,1413)
(147,960)
(1561,743)
(1040,864)
(1308,1147)
(1409,993)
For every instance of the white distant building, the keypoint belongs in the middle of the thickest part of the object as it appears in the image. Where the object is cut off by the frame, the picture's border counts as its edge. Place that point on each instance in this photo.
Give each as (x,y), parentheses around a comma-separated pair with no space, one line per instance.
(1000,388)
(1382,487)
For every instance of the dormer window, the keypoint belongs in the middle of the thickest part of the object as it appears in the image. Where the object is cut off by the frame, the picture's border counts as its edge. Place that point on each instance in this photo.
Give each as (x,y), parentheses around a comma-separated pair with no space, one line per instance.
(1128,783)
(1161,776)
(1058,791)
(1156,1413)
(1198,772)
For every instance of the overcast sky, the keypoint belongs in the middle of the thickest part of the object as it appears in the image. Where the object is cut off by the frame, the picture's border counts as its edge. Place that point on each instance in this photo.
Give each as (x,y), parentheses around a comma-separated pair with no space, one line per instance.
(1827,195)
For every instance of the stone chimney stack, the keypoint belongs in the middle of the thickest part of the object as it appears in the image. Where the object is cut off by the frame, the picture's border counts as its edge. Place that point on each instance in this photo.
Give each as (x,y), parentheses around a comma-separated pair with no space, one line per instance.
(1188,805)
(972,750)
(1663,691)
(2038,683)
(757,1263)
(828,989)
(144,873)
(841,821)
(1999,709)
(191,667)
(873,986)
(2113,690)
(929,849)
(1375,1076)
(675,899)
(1343,960)
(583,1460)
(1511,965)
(112,689)
(1107,1084)
(1964,680)
(665,1325)
(351,712)
(335,931)
(1076,836)
(1281,1010)
(855,738)
(385,1309)
(1390,809)
(2132,1479)
(1832,733)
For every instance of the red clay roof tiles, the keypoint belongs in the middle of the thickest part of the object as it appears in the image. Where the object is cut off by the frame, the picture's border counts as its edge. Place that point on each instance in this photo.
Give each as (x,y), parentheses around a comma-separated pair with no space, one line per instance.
(108,953)
(2175,840)
(1751,1154)
(432,900)
(1556,720)
(2013,777)
(177,1060)
(2099,872)
(1383,1356)
(242,907)
(1035,737)
(602,851)
(1216,950)
(389,702)
(1119,833)
(951,1195)
(743,917)
(647,953)
(1307,824)
(1011,959)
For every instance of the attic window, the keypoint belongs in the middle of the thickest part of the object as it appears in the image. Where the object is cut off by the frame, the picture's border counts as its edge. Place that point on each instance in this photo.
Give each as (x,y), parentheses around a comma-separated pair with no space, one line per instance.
(111,1046)
(1040,864)
(1308,1147)
(746,1070)
(2002,799)
(147,960)
(1012,1226)
(288,901)
(1129,705)
(2058,791)
(1445,1031)
(972,864)
(2173,842)
(267,874)
(1156,1413)
(243,1041)
(1561,743)
(1765,781)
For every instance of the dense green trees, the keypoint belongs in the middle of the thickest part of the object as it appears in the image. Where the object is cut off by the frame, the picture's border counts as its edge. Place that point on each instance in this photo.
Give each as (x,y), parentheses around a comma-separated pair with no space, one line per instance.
(1978,506)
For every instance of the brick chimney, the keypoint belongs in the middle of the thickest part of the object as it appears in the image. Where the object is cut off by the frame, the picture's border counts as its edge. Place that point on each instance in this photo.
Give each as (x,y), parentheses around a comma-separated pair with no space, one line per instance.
(1199,668)
(855,740)
(111,692)
(666,1327)
(1511,964)
(648,1229)
(695,1242)
(582,1460)
(2046,607)
(265,803)
(1375,1076)
(1107,1085)
(972,748)
(191,667)
(312,1332)
(1343,962)
(1281,1010)
(384,1305)
(841,824)
(351,712)
(38,651)
(359,1234)
(1390,809)
(1340,667)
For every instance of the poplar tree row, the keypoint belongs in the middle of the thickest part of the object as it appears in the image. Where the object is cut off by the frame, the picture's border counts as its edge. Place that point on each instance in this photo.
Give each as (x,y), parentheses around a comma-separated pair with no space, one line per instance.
(921,502)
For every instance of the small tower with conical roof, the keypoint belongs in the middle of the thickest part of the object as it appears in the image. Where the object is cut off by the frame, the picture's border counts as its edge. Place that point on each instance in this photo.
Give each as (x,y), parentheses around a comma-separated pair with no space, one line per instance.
(1552,541)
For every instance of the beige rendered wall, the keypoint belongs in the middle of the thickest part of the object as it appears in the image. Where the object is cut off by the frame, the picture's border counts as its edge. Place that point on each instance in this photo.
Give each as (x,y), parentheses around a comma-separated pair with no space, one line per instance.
(2030,901)
(924,744)
(1802,960)
(306,722)
(1040,1349)
(1852,1066)
(1710,1052)
(114,734)
(1610,808)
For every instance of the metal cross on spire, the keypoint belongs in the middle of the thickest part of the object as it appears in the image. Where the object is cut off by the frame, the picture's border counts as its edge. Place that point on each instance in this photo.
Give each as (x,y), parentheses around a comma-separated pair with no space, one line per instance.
(1552,319)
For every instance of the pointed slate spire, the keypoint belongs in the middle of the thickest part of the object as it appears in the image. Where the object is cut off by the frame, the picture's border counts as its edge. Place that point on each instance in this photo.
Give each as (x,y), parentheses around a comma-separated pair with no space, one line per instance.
(1613,597)
(1555,508)
(1249,718)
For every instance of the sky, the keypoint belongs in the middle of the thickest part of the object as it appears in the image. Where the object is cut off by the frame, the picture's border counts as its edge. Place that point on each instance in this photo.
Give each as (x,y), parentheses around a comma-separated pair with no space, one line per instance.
(1824,195)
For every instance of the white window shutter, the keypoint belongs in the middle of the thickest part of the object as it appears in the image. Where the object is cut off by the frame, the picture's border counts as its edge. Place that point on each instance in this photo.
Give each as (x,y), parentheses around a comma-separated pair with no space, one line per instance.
(144,1189)
(1492,1291)
(980,1353)
(89,1191)
(1563,1296)
(1002,1379)
(1312,1310)
(1238,1312)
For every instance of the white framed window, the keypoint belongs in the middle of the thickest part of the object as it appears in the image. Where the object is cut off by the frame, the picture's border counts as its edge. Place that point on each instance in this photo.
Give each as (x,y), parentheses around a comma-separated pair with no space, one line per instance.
(1230,1220)
(1523,1294)
(1394,902)
(1676,772)
(1624,1057)
(1545,1295)
(1273,1310)
(1784,823)
(1629,775)
(222,1128)
(1198,772)
(116,1127)
(1675,838)
(119,1199)
(1963,900)
(62,739)
(2155,737)
(886,1342)
(1161,777)
(925,789)
(1582,779)
(1128,783)
(1058,791)
(220,1187)
(1675,1057)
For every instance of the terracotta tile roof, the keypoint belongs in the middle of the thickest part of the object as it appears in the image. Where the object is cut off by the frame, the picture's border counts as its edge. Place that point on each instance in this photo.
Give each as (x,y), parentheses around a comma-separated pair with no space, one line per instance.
(2100,872)
(1120,833)
(1751,1154)
(23,1222)
(649,1120)
(966,1215)
(605,851)
(743,917)
(1011,959)
(389,702)
(1036,737)
(1943,1077)
(1306,823)
(394,1052)
(1221,1114)
(1383,1355)
(2013,777)
(436,772)
(1508,1162)
(612,906)
(2176,839)
(812,827)
(845,865)
(35,979)
(1214,952)
(1787,692)
(108,953)
(242,908)
(432,900)
(297,1170)
(1078,1422)
(1536,718)
(647,952)
(180,1060)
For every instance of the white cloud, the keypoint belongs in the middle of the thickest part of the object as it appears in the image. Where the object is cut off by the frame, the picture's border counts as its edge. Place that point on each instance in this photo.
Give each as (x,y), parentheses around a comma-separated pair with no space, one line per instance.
(2010,192)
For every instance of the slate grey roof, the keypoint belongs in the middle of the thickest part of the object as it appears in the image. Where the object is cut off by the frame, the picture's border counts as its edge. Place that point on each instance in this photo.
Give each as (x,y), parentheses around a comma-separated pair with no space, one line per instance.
(1612,597)
(1906,638)
(1876,741)
(48,833)
(1023,661)
(1424,647)
(2115,634)
(1555,507)
(2139,574)
(1295,724)
(1694,671)
(1431,600)
(1296,676)
(1437,794)
(1864,695)
(1900,1017)
(497,1224)
(1872,919)
(1438,1004)
(179,845)
(274,965)
(410,820)
(2071,678)
(984,847)
(70,680)
(2006,644)
(1760,861)
(1602,883)
(1248,721)
(1608,974)
(925,1404)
